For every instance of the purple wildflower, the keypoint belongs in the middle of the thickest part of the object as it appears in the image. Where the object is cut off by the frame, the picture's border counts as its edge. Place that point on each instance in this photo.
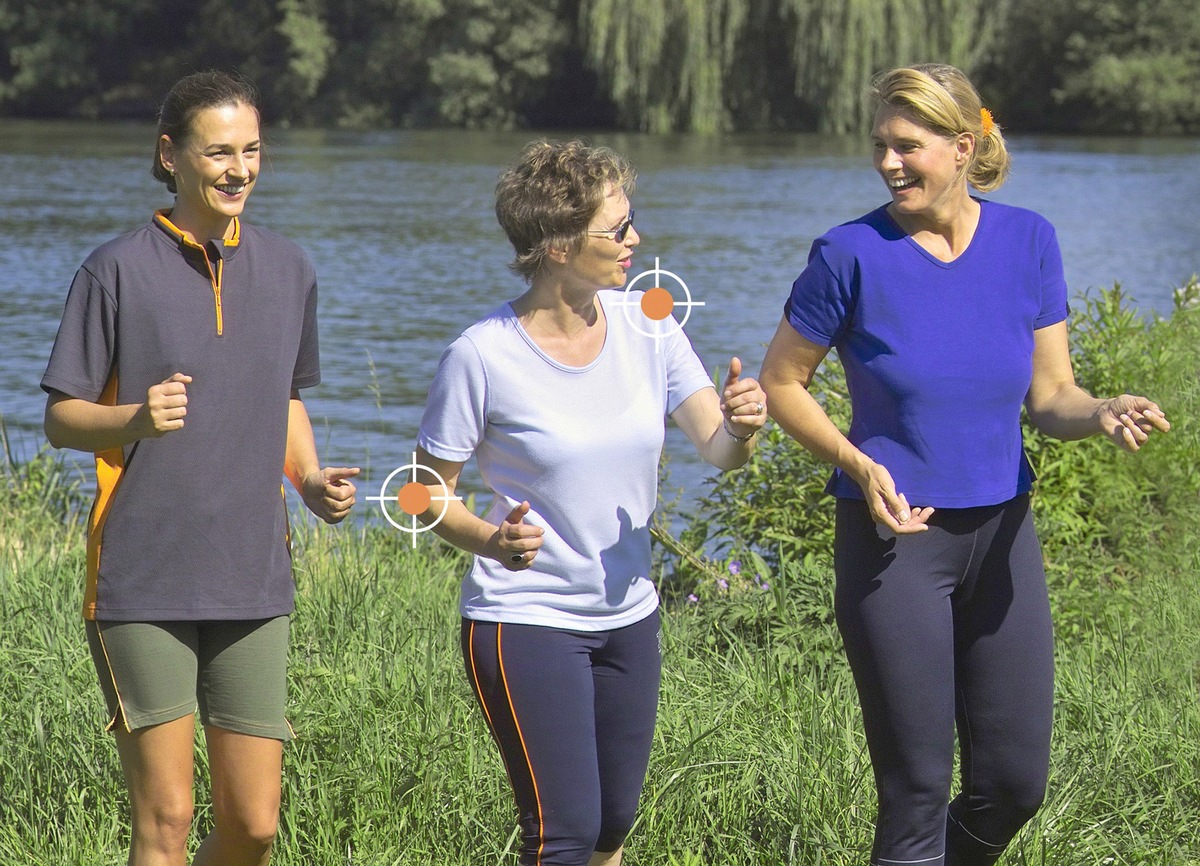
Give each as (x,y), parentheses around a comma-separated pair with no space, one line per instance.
(692,598)
(723,583)
(735,567)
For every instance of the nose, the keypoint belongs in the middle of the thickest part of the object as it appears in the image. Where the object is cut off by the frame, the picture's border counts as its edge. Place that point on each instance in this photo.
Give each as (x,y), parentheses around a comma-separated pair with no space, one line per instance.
(632,238)
(237,167)
(889,159)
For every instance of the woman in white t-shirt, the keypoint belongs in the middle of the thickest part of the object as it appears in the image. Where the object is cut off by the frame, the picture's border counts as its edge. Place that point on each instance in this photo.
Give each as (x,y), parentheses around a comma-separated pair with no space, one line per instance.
(562,401)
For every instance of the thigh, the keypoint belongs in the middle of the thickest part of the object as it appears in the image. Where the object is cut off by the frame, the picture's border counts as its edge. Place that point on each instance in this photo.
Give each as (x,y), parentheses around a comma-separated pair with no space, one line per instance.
(626,672)
(242,677)
(147,670)
(1005,660)
(536,690)
(893,610)
(246,772)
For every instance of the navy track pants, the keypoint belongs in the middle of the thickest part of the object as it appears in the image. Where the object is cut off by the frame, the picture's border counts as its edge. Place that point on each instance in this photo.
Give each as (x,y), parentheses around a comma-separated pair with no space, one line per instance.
(573,714)
(946,629)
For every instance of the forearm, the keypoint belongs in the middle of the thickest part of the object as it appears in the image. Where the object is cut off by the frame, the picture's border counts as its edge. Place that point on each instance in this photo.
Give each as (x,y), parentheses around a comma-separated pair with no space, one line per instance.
(300,458)
(800,415)
(1071,413)
(724,451)
(460,527)
(85,426)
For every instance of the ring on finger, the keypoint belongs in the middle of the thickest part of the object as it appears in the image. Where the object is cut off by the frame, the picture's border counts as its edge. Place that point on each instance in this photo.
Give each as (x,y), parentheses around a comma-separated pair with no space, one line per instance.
(517,557)
(759,408)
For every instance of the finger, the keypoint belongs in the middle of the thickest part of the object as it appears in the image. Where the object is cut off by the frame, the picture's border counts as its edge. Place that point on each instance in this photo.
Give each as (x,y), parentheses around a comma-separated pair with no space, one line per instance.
(178,377)
(339,492)
(336,474)
(518,513)
(1157,419)
(735,370)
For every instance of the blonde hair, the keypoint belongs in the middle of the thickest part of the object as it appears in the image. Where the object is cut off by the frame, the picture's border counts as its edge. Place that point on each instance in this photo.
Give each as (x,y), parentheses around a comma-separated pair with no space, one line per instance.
(547,199)
(942,99)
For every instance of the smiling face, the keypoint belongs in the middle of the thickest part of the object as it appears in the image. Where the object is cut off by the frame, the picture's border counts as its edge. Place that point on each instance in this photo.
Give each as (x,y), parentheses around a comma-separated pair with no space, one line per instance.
(603,262)
(215,166)
(923,169)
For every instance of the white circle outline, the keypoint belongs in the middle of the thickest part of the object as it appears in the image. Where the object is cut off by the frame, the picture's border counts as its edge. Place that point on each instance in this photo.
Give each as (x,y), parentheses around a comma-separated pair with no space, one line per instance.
(415,529)
(689,303)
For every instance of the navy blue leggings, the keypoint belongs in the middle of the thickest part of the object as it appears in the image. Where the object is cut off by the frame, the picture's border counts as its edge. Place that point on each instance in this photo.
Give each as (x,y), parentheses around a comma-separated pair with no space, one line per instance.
(573,713)
(949,628)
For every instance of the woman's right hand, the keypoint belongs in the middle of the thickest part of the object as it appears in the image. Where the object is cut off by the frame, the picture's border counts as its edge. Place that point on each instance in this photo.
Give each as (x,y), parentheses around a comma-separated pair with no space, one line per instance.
(515,543)
(165,406)
(887,506)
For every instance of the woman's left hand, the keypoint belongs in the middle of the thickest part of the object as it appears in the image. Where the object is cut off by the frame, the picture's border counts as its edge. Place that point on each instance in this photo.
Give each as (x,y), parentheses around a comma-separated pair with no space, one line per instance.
(743,402)
(329,493)
(1129,420)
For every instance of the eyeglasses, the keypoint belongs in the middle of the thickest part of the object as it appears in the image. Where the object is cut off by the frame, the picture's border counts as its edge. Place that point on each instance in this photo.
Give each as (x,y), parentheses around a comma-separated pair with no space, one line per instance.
(619,232)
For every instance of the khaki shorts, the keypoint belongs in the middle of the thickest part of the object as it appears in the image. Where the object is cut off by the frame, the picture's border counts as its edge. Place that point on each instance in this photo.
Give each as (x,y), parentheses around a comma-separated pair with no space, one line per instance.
(155,672)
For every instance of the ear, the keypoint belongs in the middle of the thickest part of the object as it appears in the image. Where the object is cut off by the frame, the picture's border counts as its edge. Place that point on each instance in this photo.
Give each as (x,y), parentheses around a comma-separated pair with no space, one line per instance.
(166,153)
(964,147)
(558,255)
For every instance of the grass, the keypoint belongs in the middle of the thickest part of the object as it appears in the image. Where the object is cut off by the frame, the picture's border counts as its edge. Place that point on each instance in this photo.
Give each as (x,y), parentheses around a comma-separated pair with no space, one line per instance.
(759,755)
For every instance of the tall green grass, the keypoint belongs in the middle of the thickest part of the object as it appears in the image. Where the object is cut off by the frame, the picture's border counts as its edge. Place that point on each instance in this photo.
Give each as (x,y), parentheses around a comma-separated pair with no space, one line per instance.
(759,755)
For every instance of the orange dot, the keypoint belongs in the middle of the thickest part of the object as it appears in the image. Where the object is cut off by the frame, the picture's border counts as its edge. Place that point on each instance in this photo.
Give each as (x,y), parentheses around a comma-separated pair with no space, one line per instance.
(414,498)
(657,303)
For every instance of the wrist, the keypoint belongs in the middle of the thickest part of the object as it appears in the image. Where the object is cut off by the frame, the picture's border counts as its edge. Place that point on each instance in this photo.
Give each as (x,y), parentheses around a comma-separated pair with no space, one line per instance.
(741,439)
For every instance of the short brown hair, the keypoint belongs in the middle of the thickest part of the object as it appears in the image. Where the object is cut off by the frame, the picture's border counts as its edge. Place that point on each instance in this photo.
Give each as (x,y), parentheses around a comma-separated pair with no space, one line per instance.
(548,197)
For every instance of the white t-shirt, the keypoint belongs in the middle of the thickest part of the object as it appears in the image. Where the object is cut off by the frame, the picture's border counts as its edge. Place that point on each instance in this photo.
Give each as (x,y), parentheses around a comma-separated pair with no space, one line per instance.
(580,444)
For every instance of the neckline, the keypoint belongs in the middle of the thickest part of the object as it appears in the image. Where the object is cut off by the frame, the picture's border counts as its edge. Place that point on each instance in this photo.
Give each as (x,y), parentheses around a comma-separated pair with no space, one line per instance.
(930,257)
(549,359)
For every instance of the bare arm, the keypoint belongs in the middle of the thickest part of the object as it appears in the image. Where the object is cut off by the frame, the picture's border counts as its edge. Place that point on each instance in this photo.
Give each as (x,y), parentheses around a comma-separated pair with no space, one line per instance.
(328,493)
(722,429)
(465,530)
(1060,408)
(787,373)
(71,422)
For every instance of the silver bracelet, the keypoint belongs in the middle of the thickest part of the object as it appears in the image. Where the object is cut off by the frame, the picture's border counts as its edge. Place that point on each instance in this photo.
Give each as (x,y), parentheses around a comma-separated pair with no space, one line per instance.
(734,436)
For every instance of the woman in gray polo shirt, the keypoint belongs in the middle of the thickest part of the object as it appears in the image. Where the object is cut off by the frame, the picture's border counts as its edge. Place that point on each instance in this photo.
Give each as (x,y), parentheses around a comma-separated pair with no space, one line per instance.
(178,363)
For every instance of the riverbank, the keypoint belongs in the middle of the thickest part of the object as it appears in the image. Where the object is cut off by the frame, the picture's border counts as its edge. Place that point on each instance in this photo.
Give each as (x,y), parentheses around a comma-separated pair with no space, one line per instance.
(759,757)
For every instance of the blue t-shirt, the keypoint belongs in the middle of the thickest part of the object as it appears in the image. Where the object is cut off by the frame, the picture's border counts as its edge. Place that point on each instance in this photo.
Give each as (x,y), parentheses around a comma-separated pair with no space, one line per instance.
(938,355)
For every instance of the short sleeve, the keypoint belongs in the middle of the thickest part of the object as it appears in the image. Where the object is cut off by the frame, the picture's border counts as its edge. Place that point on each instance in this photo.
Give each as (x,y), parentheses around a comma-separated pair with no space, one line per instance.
(1054,306)
(456,409)
(86,346)
(822,300)
(307,371)
(685,372)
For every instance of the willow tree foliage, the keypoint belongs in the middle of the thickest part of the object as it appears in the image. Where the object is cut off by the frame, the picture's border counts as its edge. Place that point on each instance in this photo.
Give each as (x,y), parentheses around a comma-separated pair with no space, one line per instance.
(709,65)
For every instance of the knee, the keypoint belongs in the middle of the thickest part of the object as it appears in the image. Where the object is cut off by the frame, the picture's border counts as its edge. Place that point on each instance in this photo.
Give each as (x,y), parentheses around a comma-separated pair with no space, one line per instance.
(569,838)
(614,827)
(249,830)
(1021,802)
(164,824)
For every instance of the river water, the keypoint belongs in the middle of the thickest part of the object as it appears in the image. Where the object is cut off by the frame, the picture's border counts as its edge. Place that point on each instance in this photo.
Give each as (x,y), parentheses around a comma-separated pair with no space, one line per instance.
(400,227)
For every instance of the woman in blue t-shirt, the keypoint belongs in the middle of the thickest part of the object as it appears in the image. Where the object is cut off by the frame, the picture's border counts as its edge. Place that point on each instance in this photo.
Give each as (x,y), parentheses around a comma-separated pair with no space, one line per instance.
(948,313)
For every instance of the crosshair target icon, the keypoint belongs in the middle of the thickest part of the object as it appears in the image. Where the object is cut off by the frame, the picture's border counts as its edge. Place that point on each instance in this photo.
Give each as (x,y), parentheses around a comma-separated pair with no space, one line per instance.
(413,498)
(657,303)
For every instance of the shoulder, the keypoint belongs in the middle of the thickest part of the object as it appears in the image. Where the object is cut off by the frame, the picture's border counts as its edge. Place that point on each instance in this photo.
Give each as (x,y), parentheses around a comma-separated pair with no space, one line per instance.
(111,254)
(843,249)
(870,232)
(1013,218)
(277,249)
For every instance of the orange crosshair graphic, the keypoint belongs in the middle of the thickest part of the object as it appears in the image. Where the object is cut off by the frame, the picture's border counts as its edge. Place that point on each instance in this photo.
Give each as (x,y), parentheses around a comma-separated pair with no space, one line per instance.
(657,303)
(414,498)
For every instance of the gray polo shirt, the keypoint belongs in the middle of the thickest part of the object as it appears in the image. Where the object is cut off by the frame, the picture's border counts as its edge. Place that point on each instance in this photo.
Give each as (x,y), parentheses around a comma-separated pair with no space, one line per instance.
(191,525)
